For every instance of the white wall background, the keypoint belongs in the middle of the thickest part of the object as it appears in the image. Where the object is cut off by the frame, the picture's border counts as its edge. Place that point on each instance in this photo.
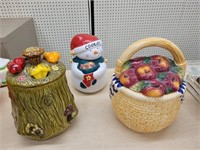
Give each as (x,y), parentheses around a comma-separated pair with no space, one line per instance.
(56,21)
(121,22)
(117,22)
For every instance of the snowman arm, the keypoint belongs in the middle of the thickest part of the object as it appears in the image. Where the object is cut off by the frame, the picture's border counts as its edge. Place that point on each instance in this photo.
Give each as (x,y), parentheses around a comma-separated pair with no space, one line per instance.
(75,71)
(100,71)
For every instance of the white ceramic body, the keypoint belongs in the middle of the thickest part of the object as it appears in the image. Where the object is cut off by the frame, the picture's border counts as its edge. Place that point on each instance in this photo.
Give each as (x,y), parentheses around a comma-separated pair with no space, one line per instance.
(100,75)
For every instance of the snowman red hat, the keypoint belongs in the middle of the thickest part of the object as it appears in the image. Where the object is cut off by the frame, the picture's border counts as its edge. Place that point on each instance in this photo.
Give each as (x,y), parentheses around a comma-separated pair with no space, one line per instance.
(84,42)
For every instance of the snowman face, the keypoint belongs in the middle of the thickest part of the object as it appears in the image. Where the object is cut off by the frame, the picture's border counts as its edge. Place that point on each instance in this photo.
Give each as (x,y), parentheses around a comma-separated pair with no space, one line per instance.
(91,54)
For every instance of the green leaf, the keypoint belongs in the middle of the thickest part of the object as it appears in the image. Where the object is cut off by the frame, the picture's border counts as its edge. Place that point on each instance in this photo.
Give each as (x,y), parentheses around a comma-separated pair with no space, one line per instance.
(147,60)
(139,86)
(181,74)
(171,62)
(173,67)
(126,66)
(169,90)
(161,76)
(146,83)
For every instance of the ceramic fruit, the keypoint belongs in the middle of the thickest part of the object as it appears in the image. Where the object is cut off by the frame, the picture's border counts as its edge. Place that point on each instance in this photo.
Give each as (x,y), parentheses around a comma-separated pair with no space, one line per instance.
(128,78)
(160,63)
(145,72)
(20,61)
(172,80)
(155,89)
(16,66)
(152,76)
(136,62)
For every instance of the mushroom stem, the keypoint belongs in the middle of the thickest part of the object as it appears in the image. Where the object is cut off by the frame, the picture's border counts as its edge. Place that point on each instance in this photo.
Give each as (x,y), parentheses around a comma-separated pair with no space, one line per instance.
(33,54)
(35,60)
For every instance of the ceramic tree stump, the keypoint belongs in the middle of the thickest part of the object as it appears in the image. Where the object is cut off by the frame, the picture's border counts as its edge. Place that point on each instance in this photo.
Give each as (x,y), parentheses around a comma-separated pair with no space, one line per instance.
(42,103)
(88,68)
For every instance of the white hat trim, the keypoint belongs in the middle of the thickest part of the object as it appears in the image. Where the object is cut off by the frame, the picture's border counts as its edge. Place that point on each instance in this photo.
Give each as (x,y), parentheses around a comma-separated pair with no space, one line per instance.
(87,46)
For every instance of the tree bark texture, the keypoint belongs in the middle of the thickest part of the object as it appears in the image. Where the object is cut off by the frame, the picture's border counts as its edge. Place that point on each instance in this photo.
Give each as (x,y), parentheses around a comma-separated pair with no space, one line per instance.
(43,111)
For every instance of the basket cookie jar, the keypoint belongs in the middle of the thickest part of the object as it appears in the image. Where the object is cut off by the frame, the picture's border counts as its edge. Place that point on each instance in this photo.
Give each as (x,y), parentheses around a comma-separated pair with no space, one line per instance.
(42,103)
(147,92)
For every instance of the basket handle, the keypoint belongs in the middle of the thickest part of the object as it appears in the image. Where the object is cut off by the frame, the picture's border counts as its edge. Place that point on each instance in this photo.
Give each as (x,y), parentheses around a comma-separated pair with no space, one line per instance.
(147,42)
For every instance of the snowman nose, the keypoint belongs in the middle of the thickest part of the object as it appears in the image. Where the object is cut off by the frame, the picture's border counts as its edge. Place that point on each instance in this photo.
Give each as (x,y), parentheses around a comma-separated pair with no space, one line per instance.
(95,52)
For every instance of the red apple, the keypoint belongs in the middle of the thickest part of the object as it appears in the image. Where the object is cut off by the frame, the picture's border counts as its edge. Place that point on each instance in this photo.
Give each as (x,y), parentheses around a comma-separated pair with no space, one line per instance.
(16,66)
(145,72)
(160,63)
(128,78)
(136,62)
(155,89)
(13,67)
(172,81)
(20,61)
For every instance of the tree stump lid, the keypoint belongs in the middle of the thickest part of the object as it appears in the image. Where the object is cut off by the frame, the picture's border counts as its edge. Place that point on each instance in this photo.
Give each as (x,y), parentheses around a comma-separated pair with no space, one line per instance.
(23,79)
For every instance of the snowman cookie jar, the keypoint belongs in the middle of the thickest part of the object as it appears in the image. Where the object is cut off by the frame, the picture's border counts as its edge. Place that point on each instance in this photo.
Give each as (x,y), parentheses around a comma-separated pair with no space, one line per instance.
(88,67)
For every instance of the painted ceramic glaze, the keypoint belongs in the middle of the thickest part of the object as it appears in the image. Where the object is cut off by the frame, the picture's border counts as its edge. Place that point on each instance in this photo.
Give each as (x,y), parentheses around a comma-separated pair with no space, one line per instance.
(88,68)
(42,103)
(152,76)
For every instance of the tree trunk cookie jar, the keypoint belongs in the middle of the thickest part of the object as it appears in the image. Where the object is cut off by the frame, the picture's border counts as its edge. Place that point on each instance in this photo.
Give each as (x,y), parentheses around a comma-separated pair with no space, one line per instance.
(146,92)
(88,67)
(42,103)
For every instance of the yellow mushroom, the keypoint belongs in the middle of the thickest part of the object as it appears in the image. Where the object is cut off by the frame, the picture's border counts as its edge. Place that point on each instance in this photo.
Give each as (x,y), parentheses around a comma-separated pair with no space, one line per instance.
(52,57)
(39,71)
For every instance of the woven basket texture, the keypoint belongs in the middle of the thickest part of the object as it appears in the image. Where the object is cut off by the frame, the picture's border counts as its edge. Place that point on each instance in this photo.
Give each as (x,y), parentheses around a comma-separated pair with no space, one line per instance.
(141,113)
